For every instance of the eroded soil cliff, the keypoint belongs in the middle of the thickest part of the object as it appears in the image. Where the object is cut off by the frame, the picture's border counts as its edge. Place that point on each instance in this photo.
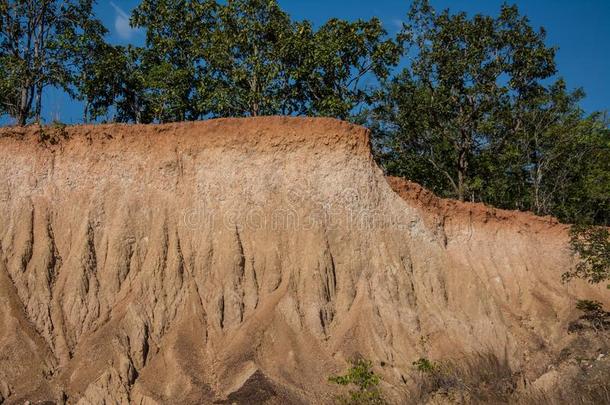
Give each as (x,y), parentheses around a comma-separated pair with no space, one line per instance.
(249,259)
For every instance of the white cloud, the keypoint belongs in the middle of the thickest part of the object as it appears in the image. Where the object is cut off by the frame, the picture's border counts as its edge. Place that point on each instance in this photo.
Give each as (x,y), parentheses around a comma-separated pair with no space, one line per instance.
(121,22)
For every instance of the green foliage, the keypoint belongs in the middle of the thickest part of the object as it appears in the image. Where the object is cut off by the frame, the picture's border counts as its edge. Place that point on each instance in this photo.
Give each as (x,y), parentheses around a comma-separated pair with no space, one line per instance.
(252,55)
(36,50)
(132,101)
(453,104)
(480,115)
(91,63)
(249,58)
(587,306)
(166,74)
(343,55)
(6,89)
(594,317)
(366,384)
(572,171)
(591,244)
(425,366)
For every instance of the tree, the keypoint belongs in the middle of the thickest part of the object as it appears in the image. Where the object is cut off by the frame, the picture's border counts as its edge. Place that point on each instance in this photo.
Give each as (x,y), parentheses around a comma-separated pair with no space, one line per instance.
(263,63)
(479,114)
(102,81)
(443,112)
(132,99)
(178,32)
(541,163)
(366,382)
(31,53)
(208,59)
(546,129)
(584,175)
(90,63)
(343,57)
(248,58)
(251,60)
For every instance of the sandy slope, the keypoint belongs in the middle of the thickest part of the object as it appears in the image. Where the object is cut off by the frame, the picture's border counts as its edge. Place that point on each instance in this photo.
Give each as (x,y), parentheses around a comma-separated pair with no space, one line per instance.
(247,260)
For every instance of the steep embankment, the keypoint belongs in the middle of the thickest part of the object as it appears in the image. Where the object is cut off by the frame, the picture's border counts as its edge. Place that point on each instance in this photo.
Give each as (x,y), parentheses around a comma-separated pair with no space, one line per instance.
(249,259)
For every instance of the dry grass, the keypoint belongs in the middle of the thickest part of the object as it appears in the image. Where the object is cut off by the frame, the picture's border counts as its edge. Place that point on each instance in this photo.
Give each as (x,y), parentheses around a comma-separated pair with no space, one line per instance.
(573,392)
(483,378)
(478,378)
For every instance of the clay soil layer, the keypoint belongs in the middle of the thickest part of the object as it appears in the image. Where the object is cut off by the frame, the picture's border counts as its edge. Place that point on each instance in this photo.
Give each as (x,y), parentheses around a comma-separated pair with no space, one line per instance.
(246,260)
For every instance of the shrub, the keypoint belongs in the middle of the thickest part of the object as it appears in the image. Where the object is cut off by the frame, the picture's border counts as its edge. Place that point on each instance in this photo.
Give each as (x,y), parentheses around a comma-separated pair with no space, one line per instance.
(592,246)
(425,366)
(594,317)
(366,382)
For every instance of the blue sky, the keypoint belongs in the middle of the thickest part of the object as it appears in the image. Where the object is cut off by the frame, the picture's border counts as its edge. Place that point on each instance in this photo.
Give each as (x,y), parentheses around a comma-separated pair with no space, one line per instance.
(579,28)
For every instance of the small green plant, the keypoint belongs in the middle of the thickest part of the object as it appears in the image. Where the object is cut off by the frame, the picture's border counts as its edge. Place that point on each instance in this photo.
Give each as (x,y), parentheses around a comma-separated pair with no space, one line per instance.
(592,246)
(588,306)
(594,314)
(365,381)
(425,366)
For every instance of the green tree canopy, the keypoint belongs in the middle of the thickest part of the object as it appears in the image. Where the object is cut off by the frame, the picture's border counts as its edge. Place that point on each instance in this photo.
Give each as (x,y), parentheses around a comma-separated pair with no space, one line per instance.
(448,106)
(33,53)
(479,114)
(172,66)
(90,64)
(248,58)
(343,58)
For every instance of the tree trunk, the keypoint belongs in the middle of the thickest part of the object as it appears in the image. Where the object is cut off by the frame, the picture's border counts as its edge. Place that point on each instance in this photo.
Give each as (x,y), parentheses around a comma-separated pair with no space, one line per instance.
(462,173)
(538,205)
(23,109)
(21,119)
(39,58)
(136,110)
(254,108)
(38,108)
(254,85)
(86,113)
(464,147)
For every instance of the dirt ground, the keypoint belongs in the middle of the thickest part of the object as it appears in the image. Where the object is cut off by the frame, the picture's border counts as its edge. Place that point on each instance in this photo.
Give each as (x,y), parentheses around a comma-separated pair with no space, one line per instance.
(247,260)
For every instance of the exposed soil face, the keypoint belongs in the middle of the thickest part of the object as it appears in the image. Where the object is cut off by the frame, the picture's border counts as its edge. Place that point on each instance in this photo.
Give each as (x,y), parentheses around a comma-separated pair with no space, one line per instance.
(249,259)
